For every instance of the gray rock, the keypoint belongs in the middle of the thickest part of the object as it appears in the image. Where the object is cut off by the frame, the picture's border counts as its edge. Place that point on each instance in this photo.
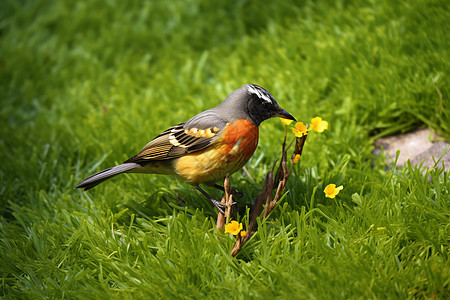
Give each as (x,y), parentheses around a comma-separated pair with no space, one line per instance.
(417,145)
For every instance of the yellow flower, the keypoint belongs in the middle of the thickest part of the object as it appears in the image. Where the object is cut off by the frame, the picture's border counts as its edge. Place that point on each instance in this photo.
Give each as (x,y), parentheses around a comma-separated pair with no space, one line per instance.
(331,190)
(300,129)
(296,158)
(318,124)
(286,121)
(233,227)
(243,233)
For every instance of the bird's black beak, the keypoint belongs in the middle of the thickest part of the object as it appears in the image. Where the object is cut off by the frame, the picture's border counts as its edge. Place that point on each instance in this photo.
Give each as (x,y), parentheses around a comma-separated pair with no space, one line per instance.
(284,114)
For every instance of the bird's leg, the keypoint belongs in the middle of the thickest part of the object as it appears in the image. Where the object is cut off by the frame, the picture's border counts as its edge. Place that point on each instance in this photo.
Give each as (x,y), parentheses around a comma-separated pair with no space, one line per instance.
(219,187)
(233,191)
(217,204)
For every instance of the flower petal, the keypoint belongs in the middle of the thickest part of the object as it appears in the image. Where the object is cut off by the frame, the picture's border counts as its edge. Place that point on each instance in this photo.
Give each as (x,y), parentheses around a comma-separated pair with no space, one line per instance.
(233,227)
(318,124)
(331,191)
(286,121)
(300,129)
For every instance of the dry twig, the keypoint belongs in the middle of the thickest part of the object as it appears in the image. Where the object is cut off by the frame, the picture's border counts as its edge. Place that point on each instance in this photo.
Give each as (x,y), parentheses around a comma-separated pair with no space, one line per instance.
(280,181)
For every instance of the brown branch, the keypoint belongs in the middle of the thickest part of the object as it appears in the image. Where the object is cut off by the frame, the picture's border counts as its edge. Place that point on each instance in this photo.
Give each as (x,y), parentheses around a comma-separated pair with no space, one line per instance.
(299,143)
(265,194)
(228,197)
(281,177)
(221,217)
(240,240)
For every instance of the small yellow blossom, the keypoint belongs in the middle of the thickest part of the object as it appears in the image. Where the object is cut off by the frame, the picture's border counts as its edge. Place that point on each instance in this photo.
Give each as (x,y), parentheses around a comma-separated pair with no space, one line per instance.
(233,227)
(331,190)
(300,129)
(286,121)
(296,158)
(243,233)
(318,124)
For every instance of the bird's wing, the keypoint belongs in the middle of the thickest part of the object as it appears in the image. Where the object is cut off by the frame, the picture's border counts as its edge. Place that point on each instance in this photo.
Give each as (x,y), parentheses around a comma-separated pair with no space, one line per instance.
(194,135)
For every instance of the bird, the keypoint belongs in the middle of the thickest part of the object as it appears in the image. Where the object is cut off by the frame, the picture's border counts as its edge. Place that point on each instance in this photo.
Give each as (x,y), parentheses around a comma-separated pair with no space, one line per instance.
(207,147)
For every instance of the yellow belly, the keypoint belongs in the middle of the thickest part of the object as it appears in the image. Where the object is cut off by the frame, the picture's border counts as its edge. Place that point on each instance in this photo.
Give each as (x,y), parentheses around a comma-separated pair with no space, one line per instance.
(226,155)
(207,167)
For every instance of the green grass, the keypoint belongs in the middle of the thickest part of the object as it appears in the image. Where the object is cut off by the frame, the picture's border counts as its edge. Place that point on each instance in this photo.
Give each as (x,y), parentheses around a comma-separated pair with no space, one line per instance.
(86,84)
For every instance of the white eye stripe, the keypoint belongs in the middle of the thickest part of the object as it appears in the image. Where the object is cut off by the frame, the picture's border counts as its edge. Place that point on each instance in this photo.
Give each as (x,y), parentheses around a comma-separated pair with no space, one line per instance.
(261,94)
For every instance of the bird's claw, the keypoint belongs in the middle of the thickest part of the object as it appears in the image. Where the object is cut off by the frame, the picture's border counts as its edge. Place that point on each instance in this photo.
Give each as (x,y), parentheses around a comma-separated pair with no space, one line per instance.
(221,206)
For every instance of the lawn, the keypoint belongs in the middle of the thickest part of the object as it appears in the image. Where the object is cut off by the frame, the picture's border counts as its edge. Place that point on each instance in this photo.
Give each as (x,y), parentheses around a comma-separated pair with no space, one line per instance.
(86,84)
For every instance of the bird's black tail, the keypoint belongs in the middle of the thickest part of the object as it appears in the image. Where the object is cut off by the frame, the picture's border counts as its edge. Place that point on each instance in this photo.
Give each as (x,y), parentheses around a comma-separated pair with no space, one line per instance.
(98,178)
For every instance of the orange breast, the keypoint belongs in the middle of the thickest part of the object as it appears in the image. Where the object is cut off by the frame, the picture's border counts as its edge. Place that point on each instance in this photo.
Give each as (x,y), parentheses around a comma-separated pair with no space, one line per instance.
(227,154)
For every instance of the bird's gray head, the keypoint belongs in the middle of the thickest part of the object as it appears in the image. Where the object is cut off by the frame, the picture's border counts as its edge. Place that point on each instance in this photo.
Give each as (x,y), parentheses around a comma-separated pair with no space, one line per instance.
(254,103)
